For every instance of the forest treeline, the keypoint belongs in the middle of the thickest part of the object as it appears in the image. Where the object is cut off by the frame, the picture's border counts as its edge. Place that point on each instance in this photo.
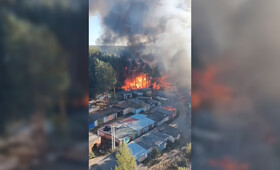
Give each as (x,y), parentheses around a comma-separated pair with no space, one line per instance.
(108,70)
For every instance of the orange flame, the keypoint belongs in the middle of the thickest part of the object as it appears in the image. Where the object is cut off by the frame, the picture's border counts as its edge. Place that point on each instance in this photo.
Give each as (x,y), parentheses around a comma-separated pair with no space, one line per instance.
(139,82)
(228,164)
(143,81)
(161,82)
(169,108)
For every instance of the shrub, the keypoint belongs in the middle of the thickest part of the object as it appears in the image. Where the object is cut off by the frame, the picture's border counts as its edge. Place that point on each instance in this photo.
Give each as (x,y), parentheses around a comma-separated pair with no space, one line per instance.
(186,150)
(155,153)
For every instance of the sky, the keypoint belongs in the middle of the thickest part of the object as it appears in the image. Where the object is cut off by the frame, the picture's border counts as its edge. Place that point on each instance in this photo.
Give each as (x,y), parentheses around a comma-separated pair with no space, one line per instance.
(94,29)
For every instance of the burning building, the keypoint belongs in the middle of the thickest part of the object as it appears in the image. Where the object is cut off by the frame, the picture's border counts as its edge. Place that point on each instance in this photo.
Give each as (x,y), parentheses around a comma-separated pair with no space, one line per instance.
(139,82)
(144,81)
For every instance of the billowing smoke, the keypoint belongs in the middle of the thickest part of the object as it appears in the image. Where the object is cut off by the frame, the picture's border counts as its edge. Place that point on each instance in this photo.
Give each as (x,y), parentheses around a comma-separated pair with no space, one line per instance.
(158,31)
(241,39)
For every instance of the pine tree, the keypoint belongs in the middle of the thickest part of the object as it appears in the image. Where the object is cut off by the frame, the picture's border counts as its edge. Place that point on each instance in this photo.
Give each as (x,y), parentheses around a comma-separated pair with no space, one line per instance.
(125,159)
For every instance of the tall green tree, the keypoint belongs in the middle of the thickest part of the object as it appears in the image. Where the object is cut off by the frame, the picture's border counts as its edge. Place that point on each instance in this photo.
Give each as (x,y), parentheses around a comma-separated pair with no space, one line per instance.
(105,76)
(102,77)
(125,159)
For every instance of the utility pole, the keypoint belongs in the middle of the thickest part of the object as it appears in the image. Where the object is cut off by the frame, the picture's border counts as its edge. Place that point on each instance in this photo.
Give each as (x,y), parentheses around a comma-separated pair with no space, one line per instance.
(113,136)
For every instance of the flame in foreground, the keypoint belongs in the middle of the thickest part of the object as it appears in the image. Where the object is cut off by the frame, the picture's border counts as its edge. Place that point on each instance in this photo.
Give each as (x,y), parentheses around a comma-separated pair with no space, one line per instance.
(228,164)
(207,88)
(142,81)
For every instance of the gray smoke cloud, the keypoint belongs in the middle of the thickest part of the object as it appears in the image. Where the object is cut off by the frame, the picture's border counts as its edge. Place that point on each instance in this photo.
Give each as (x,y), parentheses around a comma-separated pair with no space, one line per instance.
(161,28)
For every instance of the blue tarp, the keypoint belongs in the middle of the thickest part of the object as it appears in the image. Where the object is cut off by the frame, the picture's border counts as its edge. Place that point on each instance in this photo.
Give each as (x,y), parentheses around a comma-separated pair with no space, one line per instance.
(91,126)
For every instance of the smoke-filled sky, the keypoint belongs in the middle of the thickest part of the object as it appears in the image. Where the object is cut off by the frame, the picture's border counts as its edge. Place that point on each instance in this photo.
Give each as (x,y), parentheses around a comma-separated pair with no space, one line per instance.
(163,26)
(94,29)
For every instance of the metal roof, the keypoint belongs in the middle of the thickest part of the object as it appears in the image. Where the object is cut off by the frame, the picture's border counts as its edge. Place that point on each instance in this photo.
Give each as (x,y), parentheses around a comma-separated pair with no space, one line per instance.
(142,122)
(137,150)
(103,113)
(149,140)
(172,131)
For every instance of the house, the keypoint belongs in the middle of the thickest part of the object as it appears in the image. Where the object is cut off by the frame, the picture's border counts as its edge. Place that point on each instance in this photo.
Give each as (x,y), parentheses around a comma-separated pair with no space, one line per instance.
(138,151)
(123,95)
(94,141)
(100,117)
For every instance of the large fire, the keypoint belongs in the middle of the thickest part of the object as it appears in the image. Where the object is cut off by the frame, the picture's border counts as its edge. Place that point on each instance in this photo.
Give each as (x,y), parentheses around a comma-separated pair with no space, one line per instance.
(139,82)
(161,82)
(142,81)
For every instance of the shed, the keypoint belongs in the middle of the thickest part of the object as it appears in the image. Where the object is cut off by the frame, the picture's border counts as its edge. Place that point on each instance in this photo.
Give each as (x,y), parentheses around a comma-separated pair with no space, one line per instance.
(146,91)
(150,141)
(174,133)
(153,103)
(144,105)
(103,116)
(125,135)
(137,93)
(142,125)
(160,115)
(138,151)
(162,99)
(125,95)
(136,108)
(126,107)
(164,136)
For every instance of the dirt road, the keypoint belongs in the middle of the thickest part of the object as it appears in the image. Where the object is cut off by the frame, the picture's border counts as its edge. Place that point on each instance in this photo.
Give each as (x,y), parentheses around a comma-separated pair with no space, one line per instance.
(183,122)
